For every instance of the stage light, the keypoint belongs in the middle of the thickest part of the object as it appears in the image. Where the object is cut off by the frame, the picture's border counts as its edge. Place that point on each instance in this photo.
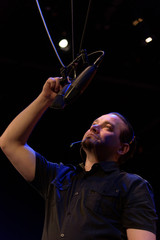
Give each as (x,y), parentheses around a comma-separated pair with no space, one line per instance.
(148,39)
(63,43)
(137,21)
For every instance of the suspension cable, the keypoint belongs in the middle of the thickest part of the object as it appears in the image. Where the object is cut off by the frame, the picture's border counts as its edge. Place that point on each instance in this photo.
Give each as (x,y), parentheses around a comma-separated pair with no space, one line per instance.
(85,24)
(72,18)
(44,23)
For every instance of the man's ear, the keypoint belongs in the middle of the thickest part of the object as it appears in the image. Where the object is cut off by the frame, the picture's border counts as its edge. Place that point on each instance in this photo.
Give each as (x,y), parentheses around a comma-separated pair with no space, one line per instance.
(124,148)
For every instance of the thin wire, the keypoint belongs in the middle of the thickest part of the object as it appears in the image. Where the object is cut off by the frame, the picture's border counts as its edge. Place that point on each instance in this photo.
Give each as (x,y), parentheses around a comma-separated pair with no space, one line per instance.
(72,18)
(85,24)
(99,51)
(44,23)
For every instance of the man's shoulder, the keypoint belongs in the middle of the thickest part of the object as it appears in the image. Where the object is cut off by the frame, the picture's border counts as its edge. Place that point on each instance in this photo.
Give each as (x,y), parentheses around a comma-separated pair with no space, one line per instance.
(132,179)
(132,176)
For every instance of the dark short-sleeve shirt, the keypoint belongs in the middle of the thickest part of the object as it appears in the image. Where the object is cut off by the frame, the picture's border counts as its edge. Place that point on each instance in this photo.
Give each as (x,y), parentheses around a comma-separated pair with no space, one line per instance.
(96,205)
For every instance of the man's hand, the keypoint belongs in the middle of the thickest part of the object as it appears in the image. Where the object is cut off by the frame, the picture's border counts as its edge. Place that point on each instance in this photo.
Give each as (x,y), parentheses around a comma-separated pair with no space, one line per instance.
(51,88)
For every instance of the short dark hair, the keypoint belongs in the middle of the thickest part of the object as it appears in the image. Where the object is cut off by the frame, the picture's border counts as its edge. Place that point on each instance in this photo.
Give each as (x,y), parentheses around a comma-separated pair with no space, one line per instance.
(126,136)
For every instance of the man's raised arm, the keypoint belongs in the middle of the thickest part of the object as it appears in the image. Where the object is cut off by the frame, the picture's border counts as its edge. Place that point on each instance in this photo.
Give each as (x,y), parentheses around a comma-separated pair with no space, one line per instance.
(13,141)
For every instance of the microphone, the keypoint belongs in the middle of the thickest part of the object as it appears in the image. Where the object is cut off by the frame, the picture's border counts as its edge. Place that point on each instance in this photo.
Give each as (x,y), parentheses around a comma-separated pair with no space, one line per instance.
(72,144)
(71,91)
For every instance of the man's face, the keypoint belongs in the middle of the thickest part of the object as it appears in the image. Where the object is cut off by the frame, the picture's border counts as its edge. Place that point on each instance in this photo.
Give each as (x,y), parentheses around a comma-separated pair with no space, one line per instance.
(103,135)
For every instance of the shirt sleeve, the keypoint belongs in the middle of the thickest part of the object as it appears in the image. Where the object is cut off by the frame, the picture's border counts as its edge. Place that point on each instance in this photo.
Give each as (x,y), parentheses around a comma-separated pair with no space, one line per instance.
(45,172)
(139,209)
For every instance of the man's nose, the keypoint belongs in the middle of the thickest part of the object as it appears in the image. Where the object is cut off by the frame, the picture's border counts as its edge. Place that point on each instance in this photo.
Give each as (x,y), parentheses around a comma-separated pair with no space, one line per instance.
(95,128)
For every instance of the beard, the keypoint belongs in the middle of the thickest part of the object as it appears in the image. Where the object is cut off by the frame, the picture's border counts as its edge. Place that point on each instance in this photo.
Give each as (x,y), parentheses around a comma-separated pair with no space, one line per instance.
(100,149)
(89,143)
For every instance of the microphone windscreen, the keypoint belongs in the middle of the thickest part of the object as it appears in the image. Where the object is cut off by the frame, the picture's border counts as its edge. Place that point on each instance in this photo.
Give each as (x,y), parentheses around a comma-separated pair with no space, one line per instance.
(80,84)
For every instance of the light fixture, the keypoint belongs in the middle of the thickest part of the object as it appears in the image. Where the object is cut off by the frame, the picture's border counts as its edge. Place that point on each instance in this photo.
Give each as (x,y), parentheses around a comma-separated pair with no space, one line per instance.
(63,44)
(148,39)
(137,21)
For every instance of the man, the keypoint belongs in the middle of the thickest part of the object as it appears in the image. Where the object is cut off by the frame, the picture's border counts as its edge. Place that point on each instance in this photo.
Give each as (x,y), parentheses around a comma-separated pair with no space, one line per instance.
(91,201)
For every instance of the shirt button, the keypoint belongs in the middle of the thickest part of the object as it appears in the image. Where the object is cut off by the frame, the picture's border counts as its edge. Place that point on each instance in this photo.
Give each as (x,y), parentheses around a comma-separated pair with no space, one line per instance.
(76,193)
(62,235)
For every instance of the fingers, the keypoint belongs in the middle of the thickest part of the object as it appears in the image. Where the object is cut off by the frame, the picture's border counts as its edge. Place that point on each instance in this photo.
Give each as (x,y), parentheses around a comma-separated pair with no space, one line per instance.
(57,84)
(53,84)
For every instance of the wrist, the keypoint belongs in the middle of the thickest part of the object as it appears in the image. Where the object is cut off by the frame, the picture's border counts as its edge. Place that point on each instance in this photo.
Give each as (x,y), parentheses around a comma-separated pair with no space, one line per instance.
(44,100)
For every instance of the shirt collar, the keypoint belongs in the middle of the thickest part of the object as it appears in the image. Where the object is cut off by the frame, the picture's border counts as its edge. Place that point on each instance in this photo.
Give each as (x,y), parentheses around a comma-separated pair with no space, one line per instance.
(109,166)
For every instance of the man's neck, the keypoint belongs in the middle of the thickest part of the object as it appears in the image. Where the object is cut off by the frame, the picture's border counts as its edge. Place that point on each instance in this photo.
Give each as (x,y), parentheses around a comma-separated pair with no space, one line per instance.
(91,159)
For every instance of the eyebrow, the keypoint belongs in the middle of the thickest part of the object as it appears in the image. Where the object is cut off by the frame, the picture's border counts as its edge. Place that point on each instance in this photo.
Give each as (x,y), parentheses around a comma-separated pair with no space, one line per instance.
(105,122)
(95,121)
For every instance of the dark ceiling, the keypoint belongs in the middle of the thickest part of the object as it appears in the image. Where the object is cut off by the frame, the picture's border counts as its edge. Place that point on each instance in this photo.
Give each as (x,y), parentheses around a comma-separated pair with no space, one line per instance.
(128,78)
(127,81)
(109,27)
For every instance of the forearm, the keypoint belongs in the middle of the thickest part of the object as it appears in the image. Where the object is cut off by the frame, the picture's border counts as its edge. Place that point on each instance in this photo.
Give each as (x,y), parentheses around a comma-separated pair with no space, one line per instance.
(21,127)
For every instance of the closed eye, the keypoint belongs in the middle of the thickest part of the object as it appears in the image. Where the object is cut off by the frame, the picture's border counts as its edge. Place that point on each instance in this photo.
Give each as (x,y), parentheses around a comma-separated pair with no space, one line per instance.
(108,126)
(105,124)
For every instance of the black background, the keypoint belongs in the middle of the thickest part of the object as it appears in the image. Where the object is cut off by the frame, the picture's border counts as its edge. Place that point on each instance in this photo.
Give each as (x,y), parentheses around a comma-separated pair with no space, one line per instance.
(127,82)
